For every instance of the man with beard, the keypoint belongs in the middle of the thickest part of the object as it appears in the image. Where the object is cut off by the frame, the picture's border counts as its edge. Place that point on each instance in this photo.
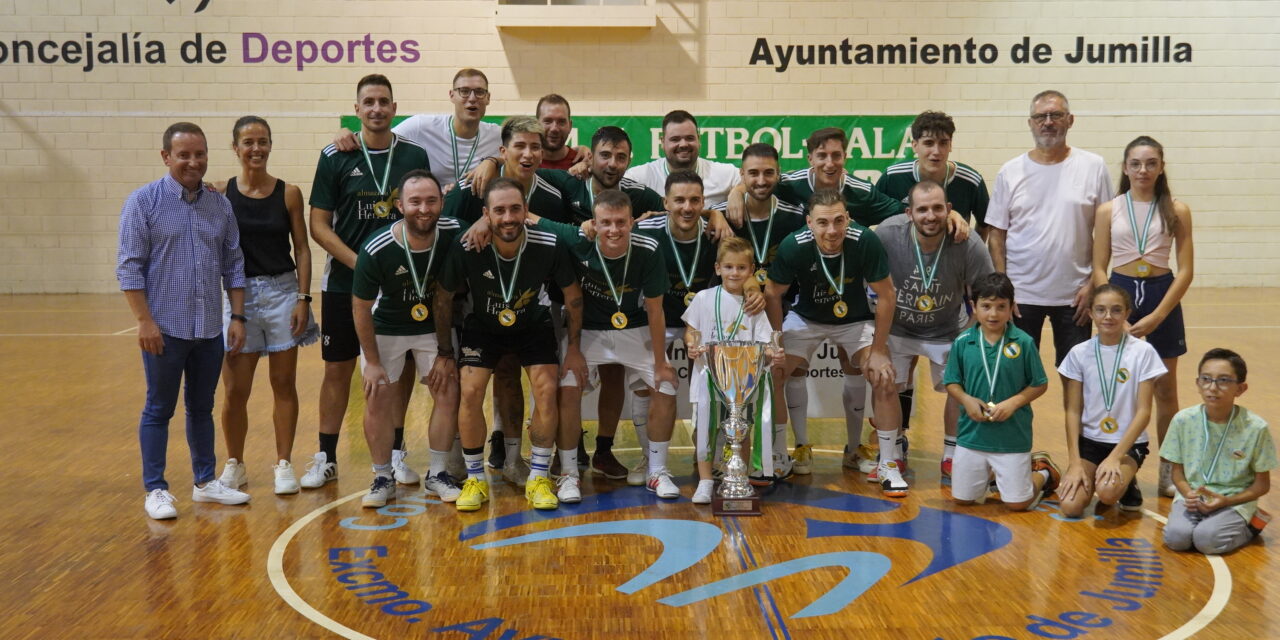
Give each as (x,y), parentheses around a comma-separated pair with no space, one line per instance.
(392,289)
(554,114)
(681,146)
(610,157)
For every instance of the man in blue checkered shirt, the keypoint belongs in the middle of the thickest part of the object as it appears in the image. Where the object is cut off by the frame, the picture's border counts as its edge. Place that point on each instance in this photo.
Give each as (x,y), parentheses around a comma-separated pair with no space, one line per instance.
(179,242)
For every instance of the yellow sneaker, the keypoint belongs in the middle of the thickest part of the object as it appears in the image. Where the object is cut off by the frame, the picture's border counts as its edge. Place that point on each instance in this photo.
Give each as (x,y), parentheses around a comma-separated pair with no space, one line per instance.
(474,493)
(540,493)
(804,460)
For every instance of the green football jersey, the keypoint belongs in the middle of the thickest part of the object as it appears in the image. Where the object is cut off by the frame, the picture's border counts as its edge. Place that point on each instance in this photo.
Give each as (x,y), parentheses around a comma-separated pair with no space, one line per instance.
(383,274)
(696,257)
(866,206)
(544,259)
(966,191)
(787,218)
(579,199)
(863,258)
(640,273)
(543,199)
(346,185)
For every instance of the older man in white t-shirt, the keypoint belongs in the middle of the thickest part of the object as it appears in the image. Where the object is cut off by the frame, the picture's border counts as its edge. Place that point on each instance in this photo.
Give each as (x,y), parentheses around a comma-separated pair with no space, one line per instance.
(1041,215)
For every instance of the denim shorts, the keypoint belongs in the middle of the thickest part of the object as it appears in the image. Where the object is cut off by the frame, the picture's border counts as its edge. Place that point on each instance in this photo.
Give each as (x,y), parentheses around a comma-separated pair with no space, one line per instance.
(268,304)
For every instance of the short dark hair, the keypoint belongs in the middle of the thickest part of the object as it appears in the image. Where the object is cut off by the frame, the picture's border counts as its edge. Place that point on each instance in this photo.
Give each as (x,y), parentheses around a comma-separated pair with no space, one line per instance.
(376,80)
(1232,358)
(418,174)
(826,197)
(994,285)
(180,127)
(500,184)
(552,98)
(611,134)
(821,136)
(676,117)
(611,199)
(934,122)
(245,121)
(683,176)
(760,150)
(921,187)
(522,124)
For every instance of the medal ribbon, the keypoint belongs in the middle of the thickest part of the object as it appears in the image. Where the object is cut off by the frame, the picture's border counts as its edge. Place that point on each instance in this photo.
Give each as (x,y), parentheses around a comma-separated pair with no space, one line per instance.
(736,323)
(991,374)
(686,275)
(459,169)
(761,248)
(1108,384)
(502,171)
(508,291)
(946,182)
(1204,423)
(604,266)
(1140,240)
(386,172)
(838,288)
(419,285)
(926,275)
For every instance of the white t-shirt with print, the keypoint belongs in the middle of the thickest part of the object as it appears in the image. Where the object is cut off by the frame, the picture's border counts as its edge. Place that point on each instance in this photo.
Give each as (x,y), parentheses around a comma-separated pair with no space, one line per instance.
(1139,363)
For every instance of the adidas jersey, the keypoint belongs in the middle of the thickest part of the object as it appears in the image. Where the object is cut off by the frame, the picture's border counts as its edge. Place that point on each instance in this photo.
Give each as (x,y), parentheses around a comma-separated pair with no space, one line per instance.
(543,199)
(638,275)
(966,190)
(345,185)
(484,273)
(787,218)
(797,262)
(698,258)
(866,206)
(579,199)
(383,274)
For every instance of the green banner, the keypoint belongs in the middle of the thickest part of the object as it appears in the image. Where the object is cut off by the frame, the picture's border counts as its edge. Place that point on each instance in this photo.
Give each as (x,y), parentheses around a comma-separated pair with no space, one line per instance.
(875,142)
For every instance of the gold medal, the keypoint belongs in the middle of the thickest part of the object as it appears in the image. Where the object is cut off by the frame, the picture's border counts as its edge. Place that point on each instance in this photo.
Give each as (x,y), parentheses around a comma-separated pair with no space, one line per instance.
(924,303)
(991,406)
(840,309)
(1109,425)
(688,298)
(1144,269)
(506,317)
(619,320)
(419,312)
(382,208)
(761,275)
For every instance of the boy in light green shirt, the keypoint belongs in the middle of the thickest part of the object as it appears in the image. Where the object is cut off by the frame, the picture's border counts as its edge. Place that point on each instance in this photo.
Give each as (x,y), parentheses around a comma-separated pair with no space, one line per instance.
(1222,457)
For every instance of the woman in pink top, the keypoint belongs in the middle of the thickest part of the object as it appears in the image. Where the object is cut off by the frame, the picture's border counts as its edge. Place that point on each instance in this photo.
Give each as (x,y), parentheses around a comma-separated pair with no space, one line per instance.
(1137,232)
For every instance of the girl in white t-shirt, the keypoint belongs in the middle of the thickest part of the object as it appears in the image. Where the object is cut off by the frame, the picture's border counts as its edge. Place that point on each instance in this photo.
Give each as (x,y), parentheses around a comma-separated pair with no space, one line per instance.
(1111,379)
(715,315)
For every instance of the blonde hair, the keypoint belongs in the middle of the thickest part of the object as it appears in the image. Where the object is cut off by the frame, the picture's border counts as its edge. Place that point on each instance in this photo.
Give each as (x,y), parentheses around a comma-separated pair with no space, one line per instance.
(734,245)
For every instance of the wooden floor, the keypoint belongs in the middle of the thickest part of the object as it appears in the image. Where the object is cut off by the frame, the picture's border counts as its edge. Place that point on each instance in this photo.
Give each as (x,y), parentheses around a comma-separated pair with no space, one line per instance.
(829,559)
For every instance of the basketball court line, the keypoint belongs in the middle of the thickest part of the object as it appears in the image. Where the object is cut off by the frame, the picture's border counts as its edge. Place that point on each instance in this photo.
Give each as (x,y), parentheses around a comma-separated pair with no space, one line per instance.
(1218,598)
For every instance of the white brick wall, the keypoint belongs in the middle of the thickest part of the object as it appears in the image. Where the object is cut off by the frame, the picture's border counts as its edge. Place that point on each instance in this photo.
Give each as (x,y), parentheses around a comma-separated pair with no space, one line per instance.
(73,144)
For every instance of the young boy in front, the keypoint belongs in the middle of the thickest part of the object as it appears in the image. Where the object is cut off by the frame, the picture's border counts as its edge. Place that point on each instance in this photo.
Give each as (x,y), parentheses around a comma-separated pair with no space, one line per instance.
(994,372)
(1222,457)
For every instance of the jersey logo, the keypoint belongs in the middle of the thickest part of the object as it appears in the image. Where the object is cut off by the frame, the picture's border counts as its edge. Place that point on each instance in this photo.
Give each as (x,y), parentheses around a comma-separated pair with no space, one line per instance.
(1012,350)
(468,352)
(1122,376)
(525,298)
(488,274)
(400,270)
(356,173)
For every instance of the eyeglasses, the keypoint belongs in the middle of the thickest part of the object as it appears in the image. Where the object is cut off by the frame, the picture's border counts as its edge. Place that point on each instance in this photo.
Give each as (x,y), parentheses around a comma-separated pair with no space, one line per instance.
(467,92)
(1220,383)
(1052,115)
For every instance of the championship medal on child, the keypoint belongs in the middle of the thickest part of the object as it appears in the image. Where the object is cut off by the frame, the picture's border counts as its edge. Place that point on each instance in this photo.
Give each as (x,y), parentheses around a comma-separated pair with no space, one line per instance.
(926,302)
(618,319)
(686,275)
(762,248)
(839,309)
(991,374)
(419,311)
(506,316)
(1108,383)
(1140,239)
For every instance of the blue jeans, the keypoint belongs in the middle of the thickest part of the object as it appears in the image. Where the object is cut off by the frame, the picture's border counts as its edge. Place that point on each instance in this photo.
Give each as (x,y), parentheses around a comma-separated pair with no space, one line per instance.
(201,362)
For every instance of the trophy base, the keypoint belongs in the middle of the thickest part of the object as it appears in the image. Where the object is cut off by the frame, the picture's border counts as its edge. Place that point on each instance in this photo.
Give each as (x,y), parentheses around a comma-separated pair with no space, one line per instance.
(749,506)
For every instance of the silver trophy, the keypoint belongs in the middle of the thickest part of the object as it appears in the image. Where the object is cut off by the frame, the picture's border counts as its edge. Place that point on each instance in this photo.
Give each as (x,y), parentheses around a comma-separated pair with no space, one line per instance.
(737,368)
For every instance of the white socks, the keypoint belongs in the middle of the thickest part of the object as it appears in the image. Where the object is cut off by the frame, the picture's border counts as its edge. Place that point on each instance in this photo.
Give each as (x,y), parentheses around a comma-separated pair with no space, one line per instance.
(854,397)
(798,408)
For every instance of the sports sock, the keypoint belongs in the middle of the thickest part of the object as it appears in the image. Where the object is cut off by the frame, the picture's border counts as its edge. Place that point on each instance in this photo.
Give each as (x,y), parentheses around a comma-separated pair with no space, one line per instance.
(512,447)
(798,408)
(604,444)
(438,459)
(569,462)
(1045,474)
(398,443)
(475,462)
(382,470)
(541,463)
(657,456)
(888,446)
(854,396)
(329,445)
(948,447)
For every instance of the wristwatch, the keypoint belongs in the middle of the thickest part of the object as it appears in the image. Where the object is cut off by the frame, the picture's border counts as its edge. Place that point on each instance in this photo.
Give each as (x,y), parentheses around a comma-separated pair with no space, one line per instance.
(304,296)
(237,316)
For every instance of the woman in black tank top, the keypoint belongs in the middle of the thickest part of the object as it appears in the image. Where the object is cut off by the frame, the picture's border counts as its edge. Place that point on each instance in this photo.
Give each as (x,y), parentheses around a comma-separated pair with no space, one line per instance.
(277,253)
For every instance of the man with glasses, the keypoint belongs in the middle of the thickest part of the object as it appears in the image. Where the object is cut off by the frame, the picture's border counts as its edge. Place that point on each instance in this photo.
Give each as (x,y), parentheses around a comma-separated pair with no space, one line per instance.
(1041,219)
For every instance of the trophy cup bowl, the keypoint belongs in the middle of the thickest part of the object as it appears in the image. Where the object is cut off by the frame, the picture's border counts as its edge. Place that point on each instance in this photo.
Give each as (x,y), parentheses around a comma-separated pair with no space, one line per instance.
(737,368)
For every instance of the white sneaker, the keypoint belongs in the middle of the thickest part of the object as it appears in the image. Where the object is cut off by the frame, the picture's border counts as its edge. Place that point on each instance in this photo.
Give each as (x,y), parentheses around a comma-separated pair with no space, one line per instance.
(892,485)
(215,491)
(1166,487)
(159,505)
(639,474)
(661,484)
(286,481)
(569,489)
(703,494)
(380,491)
(403,473)
(783,465)
(319,471)
(516,472)
(233,474)
(443,487)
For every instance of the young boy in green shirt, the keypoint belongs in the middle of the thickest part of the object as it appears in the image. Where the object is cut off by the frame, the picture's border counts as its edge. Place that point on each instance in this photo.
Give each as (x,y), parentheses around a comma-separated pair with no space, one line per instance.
(1222,457)
(994,372)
